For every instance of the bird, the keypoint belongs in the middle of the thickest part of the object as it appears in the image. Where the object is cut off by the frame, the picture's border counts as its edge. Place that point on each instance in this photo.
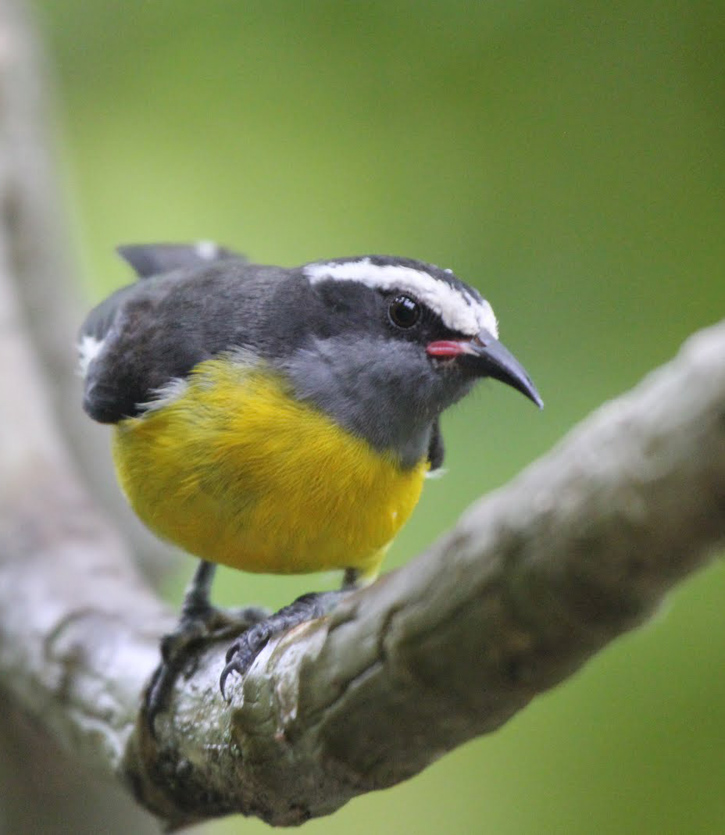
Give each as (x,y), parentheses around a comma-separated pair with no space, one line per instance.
(279,420)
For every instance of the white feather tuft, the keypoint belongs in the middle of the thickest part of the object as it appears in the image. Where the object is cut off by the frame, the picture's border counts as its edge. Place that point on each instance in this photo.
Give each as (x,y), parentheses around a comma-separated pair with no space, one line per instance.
(165,395)
(206,250)
(88,349)
(435,474)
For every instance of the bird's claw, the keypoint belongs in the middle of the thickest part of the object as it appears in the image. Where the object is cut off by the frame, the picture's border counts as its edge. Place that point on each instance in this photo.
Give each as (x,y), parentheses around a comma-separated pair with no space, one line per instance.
(180,650)
(246,647)
(242,653)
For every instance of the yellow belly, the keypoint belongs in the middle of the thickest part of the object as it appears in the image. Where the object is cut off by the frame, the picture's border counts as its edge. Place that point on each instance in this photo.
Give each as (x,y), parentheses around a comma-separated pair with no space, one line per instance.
(237,472)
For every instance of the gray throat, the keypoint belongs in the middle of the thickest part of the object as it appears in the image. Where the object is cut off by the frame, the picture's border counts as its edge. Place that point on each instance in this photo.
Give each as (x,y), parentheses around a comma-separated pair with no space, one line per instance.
(387,394)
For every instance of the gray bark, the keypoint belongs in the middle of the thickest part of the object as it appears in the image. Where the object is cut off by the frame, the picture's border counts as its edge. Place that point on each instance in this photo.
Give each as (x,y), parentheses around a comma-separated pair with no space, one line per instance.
(42,789)
(531,582)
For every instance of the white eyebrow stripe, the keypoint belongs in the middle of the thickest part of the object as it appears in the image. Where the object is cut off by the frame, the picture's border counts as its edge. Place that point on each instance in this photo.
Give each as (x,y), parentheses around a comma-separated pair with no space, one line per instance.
(458,310)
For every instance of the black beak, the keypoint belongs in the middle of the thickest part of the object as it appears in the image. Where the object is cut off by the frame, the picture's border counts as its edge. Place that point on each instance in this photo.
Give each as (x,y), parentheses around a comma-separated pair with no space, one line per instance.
(491,359)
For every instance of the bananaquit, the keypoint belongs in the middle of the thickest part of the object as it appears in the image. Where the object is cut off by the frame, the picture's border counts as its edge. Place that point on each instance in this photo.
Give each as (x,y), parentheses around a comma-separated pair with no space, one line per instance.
(280,420)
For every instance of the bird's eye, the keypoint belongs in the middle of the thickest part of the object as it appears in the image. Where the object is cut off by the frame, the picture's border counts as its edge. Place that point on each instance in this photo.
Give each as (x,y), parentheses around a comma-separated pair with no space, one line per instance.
(404,312)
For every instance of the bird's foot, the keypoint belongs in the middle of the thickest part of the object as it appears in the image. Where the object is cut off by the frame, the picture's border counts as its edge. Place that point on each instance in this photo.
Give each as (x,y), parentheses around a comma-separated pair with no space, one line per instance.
(250,643)
(198,626)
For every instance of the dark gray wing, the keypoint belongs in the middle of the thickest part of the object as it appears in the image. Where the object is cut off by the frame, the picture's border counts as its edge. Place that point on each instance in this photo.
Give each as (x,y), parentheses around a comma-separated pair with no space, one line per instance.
(157,259)
(436,450)
(155,331)
(113,346)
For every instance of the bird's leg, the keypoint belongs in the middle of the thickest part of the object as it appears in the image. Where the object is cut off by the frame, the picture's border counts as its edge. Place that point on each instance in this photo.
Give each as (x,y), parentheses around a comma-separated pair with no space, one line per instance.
(198,615)
(249,644)
(199,623)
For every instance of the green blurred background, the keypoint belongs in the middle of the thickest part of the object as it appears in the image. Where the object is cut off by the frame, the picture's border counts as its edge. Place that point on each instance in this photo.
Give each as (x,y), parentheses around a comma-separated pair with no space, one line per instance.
(569,159)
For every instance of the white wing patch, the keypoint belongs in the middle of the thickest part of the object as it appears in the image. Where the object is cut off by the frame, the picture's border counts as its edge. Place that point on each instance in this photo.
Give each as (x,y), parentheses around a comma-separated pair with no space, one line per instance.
(88,349)
(458,310)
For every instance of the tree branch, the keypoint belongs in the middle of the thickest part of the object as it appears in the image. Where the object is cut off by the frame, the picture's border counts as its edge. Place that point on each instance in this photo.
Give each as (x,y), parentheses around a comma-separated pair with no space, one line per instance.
(531,582)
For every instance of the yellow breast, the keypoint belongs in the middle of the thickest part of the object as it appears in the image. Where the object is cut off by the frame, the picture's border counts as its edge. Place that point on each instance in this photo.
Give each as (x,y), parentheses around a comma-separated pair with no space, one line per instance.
(237,472)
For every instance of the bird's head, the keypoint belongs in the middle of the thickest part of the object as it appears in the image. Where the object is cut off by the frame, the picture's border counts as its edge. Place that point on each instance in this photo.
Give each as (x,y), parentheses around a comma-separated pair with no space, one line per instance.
(400,301)
(394,342)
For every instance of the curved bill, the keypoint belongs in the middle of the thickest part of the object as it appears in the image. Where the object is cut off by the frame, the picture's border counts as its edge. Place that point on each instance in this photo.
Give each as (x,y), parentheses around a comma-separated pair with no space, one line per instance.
(498,362)
(489,358)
